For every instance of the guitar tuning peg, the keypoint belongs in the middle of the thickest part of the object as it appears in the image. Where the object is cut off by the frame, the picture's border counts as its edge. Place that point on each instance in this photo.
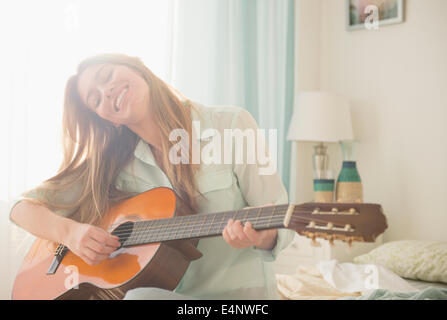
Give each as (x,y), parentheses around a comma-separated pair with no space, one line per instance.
(315,243)
(349,241)
(331,240)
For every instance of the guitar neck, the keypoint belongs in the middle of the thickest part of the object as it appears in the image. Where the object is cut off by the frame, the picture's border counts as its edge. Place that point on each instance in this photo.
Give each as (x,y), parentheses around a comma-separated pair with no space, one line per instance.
(203,225)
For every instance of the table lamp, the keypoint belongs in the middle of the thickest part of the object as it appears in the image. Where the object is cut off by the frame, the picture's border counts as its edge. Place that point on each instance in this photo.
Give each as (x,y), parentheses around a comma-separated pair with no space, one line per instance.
(321,117)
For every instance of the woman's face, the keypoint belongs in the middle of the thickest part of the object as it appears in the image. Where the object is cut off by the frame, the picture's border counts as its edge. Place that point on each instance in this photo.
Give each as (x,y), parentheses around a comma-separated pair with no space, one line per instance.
(115,92)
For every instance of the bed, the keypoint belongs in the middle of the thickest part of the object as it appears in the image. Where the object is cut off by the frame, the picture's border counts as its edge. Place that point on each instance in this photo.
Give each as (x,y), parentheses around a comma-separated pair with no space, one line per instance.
(407,269)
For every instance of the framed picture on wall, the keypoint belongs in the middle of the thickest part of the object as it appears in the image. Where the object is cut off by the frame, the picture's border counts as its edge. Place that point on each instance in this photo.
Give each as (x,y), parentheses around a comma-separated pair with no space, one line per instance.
(372,14)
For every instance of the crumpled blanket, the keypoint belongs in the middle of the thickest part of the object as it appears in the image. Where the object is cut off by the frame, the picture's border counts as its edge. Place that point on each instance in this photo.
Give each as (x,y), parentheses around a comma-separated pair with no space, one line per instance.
(364,278)
(330,280)
(308,284)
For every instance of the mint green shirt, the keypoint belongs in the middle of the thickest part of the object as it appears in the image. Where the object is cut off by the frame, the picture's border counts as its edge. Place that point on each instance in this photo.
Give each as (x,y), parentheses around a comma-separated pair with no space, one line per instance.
(223,272)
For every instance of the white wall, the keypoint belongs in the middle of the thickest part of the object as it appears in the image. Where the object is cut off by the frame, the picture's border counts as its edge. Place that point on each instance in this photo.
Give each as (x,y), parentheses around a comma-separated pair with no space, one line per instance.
(397,80)
(307,78)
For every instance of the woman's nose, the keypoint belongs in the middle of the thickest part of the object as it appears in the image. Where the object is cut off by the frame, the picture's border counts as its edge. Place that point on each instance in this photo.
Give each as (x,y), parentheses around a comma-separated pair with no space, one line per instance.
(107,100)
(107,91)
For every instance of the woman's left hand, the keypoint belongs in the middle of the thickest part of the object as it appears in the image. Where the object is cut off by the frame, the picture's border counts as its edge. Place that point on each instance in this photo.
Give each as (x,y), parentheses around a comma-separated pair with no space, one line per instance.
(244,236)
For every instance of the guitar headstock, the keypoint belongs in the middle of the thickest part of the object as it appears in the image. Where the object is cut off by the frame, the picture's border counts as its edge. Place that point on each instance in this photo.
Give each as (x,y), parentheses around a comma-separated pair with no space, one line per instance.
(339,221)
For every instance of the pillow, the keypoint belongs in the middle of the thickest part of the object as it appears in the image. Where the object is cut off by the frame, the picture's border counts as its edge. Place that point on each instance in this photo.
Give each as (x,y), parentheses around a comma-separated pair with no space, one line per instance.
(411,259)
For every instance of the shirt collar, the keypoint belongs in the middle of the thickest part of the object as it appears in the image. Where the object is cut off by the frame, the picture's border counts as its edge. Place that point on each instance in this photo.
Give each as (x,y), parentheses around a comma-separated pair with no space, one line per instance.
(200,114)
(144,153)
(203,116)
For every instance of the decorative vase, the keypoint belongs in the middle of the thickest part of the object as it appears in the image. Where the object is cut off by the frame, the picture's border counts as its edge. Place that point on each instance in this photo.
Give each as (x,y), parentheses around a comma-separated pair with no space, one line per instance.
(349,187)
(324,190)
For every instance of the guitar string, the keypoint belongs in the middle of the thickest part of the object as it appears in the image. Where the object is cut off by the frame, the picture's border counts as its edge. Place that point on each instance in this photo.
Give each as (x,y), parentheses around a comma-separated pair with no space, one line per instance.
(144,235)
(196,217)
(179,223)
(239,211)
(154,238)
(191,227)
(222,213)
(205,216)
(159,237)
(141,232)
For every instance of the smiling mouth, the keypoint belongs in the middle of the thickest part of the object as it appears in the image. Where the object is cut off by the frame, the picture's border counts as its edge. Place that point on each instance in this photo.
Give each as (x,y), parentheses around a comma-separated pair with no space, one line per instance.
(120,98)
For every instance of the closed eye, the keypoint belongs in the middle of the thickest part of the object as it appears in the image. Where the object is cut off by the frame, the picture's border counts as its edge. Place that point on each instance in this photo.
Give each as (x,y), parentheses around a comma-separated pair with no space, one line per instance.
(109,76)
(95,100)
(98,101)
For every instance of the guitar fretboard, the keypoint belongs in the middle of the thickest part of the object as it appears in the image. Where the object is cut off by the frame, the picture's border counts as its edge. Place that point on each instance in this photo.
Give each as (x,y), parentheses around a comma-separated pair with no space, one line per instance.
(201,225)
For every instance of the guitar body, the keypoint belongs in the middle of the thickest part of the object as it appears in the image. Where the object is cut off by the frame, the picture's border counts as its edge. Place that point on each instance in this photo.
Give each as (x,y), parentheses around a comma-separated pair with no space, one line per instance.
(160,265)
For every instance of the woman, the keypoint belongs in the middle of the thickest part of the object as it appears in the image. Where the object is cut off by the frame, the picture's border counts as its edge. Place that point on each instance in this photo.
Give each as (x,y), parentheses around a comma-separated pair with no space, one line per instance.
(116,124)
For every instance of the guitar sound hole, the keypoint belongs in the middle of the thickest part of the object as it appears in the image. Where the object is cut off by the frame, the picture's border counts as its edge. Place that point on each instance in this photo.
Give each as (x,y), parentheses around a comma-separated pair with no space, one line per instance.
(123,231)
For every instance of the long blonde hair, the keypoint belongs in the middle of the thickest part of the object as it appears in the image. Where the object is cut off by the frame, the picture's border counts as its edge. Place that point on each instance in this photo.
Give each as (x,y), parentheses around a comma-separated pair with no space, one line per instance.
(95,151)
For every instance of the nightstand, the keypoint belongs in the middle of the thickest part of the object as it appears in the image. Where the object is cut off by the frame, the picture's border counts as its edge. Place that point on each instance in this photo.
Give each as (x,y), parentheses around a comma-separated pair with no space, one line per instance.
(301,252)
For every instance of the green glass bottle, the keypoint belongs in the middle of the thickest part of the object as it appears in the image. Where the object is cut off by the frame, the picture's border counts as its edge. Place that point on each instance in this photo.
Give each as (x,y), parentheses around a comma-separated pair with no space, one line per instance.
(349,187)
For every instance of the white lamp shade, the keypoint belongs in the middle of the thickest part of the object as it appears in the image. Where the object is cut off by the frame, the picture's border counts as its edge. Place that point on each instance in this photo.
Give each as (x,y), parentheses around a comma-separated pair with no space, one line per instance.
(320,116)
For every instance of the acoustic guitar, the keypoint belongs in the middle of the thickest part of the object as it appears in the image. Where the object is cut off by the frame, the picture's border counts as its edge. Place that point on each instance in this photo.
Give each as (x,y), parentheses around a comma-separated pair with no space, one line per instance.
(159,236)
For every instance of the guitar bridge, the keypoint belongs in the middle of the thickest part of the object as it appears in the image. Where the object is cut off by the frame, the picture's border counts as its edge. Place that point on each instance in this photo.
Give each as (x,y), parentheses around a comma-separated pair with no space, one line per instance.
(59,254)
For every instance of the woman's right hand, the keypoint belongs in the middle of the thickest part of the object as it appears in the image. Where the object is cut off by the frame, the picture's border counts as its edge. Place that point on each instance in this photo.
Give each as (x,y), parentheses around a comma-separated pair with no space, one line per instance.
(92,244)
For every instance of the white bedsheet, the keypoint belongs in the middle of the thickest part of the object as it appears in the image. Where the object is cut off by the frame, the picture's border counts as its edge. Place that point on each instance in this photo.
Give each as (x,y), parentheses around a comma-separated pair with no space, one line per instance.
(351,277)
(421,285)
(332,280)
(307,283)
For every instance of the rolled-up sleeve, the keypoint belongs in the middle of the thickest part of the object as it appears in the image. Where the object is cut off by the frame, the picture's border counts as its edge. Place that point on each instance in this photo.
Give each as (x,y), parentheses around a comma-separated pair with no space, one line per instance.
(18,198)
(12,203)
(57,197)
(260,189)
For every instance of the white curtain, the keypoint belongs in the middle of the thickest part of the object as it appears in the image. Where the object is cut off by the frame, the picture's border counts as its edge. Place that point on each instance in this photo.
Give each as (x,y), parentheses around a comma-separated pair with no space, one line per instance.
(227,52)
(233,52)
(42,43)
